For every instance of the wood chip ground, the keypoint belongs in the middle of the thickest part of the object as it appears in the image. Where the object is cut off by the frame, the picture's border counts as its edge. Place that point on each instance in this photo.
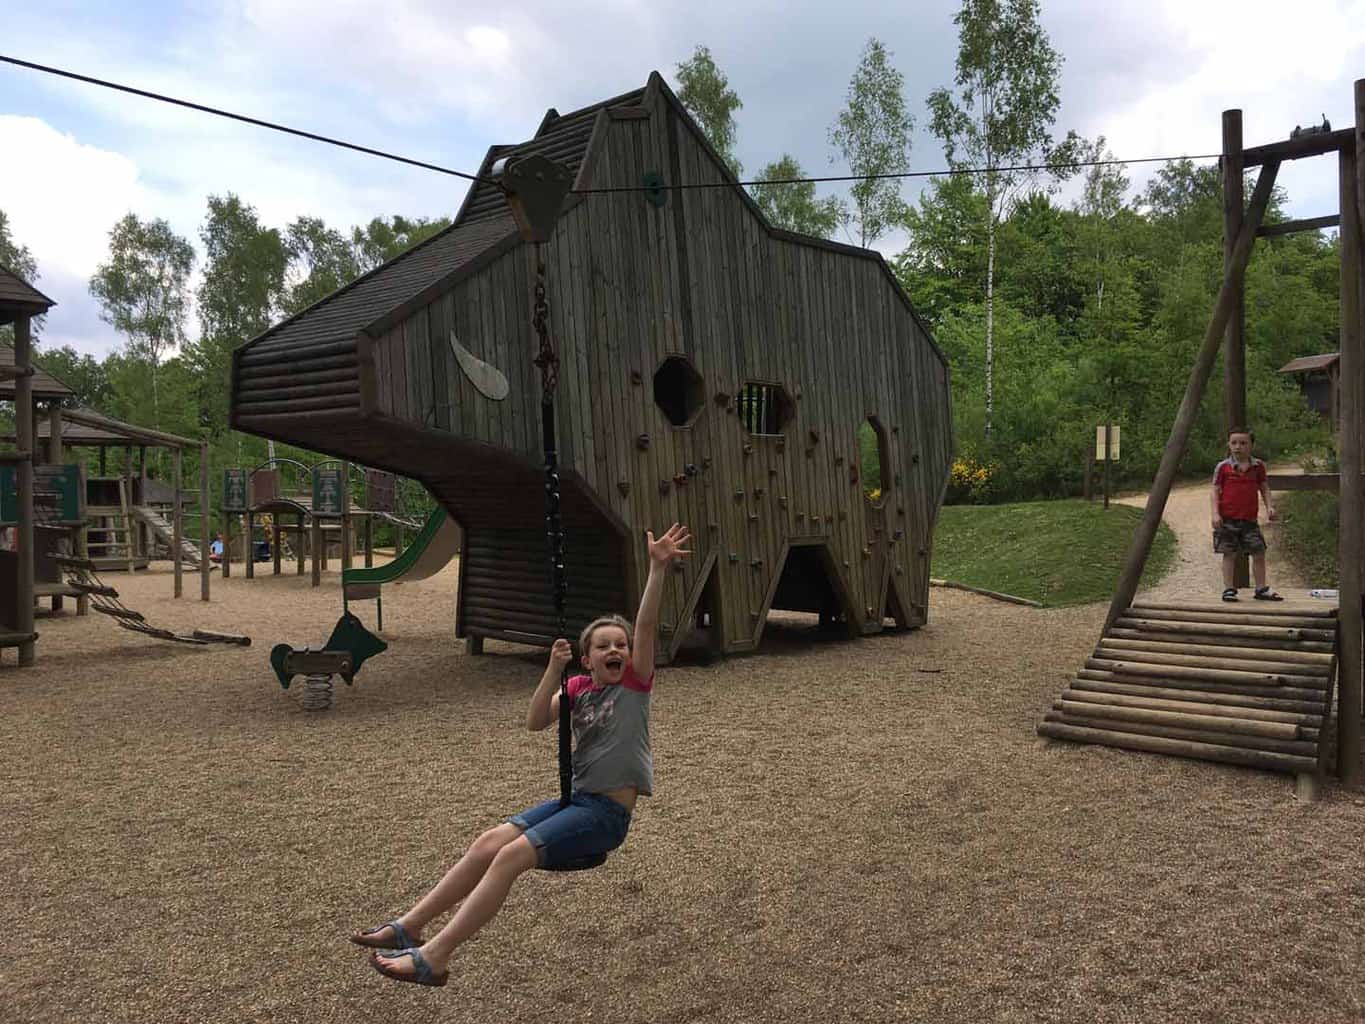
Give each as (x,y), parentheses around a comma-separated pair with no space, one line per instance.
(865,831)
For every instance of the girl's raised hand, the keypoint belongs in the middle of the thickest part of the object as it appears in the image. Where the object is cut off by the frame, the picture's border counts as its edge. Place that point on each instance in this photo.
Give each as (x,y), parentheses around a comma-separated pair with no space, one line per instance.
(561,653)
(670,544)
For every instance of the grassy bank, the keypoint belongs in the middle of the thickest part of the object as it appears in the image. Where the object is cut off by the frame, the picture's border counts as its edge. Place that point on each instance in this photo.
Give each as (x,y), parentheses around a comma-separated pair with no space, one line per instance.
(1309,534)
(1056,552)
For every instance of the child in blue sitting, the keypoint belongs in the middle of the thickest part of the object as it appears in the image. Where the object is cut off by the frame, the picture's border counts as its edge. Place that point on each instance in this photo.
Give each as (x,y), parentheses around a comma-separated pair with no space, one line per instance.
(612,767)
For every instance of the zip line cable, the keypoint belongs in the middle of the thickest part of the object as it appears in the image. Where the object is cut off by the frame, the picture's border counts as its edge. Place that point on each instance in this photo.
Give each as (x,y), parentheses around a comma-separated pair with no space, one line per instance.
(948,172)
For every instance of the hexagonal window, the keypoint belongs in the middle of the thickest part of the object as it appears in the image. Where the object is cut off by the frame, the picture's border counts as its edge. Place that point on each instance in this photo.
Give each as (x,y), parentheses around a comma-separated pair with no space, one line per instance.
(873,463)
(765,408)
(678,390)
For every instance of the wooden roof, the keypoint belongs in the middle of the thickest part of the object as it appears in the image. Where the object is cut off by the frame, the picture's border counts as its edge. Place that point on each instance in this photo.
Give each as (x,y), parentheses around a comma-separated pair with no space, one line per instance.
(484,220)
(19,298)
(45,386)
(1305,364)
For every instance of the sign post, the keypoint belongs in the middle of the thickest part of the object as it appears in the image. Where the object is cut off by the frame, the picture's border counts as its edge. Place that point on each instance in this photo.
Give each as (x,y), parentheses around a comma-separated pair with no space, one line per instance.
(1107,448)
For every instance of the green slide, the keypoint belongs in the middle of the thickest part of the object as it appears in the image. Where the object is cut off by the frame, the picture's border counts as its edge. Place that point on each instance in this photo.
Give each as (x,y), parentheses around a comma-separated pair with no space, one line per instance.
(428,554)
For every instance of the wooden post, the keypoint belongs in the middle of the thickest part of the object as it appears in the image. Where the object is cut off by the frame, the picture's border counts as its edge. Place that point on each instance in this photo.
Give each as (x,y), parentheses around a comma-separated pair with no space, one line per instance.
(369,541)
(27,438)
(1352,495)
(205,523)
(55,452)
(249,544)
(139,497)
(317,546)
(124,502)
(1234,340)
(1189,405)
(177,525)
(275,540)
(227,540)
(303,547)
(345,515)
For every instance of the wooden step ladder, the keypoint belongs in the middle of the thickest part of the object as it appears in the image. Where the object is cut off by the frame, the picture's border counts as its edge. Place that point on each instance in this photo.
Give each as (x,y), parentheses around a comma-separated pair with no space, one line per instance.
(1247,684)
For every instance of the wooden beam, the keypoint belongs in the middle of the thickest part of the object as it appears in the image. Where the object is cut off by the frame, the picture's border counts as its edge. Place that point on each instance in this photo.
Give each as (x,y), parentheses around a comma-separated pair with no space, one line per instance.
(25,438)
(1194,392)
(177,526)
(1234,338)
(1349,647)
(1296,149)
(205,522)
(1303,481)
(1289,227)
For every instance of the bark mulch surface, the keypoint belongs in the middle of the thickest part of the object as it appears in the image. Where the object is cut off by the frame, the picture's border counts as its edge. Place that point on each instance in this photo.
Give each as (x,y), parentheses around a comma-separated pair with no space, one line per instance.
(842,831)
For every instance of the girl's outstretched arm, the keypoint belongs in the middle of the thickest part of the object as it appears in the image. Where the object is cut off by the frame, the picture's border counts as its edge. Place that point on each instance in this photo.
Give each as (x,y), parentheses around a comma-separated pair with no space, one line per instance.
(670,545)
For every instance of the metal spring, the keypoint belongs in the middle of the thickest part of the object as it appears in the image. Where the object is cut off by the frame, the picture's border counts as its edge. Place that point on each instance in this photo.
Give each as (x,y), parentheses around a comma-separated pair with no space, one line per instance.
(317,692)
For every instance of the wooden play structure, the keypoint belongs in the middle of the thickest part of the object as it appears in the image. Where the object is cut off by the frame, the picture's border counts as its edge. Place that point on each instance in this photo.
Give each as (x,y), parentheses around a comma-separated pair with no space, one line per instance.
(307,510)
(712,369)
(1241,683)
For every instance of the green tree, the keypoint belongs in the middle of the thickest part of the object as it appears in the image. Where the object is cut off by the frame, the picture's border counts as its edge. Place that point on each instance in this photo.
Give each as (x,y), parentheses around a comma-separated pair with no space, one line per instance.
(143,290)
(794,206)
(241,293)
(381,240)
(705,91)
(17,260)
(872,133)
(1002,116)
(321,261)
(82,373)
(944,264)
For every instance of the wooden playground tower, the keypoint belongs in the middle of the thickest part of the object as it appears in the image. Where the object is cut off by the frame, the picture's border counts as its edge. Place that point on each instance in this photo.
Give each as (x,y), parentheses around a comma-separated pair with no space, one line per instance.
(1207,637)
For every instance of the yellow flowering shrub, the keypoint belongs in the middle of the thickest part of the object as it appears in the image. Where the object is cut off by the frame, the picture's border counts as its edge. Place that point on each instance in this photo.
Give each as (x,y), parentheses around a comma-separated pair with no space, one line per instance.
(969,481)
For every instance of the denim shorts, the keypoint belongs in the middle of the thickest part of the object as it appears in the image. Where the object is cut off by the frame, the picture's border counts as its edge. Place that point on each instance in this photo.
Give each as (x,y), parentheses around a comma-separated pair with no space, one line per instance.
(1238,537)
(591,824)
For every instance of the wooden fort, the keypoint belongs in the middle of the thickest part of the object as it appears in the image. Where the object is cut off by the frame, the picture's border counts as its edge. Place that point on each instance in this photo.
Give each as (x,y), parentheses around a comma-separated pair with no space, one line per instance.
(714,370)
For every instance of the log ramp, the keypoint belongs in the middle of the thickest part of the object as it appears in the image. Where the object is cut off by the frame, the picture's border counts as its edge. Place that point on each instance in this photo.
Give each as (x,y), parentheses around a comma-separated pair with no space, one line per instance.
(1247,684)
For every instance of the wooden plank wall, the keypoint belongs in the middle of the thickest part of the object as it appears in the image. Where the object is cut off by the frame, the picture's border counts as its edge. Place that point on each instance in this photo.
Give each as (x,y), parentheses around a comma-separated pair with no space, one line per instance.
(632,284)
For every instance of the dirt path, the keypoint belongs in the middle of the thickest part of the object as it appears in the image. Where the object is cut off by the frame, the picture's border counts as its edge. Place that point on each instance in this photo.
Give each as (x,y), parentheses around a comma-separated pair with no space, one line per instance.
(1197,572)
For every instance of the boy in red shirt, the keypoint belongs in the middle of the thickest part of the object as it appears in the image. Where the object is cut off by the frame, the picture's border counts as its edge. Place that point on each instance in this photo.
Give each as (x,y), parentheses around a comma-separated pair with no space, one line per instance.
(1238,482)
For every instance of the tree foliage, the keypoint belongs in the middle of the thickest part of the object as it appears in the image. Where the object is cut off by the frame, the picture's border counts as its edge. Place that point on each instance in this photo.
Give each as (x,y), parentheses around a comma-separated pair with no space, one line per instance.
(794,206)
(872,133)
(705,91)
(19,261)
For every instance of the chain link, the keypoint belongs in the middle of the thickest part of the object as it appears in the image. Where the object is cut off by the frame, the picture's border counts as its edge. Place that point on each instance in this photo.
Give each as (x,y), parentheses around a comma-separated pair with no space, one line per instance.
(547,359)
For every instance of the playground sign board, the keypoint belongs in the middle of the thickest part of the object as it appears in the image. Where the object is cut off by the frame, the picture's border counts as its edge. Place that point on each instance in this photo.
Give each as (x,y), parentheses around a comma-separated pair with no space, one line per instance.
(328,491)
(234,490)
(64,480)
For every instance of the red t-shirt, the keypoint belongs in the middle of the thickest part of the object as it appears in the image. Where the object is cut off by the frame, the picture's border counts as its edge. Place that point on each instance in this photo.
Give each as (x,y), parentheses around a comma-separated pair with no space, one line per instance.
(1239,489)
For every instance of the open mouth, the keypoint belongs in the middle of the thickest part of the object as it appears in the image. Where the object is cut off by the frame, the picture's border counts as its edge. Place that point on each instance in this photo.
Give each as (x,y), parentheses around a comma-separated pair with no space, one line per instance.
(613,663)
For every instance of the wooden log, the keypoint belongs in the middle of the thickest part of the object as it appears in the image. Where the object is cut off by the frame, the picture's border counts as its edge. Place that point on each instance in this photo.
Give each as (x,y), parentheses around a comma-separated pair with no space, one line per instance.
(1180,748)
(261,355)
(1297,148)
(94,588)
(1176,673)
(1193,707)
(294,390)
(1280,692)
(1314,659)
(1190,640)
(1291,634)
(26,437)
(1196,661)
(1290,227)
(1184,720)
(346,404)
(1299,748)
(1351,511)
(1194,393)
(1308,707)
(1234,335)
(1233,619)
(1257,608)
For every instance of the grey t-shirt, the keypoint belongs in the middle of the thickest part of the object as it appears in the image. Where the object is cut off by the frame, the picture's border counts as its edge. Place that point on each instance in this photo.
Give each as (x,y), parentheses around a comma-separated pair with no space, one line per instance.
(611,734)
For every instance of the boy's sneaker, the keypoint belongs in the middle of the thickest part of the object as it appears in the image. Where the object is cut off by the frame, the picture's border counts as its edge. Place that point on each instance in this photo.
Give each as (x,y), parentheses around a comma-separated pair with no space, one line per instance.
(1266,594)
(1231,594)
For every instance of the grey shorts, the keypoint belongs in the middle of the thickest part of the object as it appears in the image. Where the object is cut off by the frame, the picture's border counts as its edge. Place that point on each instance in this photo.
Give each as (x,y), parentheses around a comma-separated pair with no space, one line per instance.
(1238,537)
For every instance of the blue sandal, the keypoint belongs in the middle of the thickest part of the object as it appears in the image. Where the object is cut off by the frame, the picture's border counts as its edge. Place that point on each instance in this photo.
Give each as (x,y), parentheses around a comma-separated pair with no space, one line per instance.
(401,939)
(423,974)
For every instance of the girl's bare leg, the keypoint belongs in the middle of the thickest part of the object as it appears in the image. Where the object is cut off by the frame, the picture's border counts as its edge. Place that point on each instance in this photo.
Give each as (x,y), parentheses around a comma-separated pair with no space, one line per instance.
(1258,568)
(479,907)
(460,880)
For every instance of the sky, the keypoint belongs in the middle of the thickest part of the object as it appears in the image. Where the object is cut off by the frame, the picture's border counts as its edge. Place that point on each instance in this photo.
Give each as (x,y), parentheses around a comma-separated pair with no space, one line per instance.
(442,80)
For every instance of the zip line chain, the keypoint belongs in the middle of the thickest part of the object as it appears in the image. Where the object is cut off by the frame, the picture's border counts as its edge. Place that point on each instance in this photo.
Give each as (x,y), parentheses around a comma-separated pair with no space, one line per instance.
(654,189)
